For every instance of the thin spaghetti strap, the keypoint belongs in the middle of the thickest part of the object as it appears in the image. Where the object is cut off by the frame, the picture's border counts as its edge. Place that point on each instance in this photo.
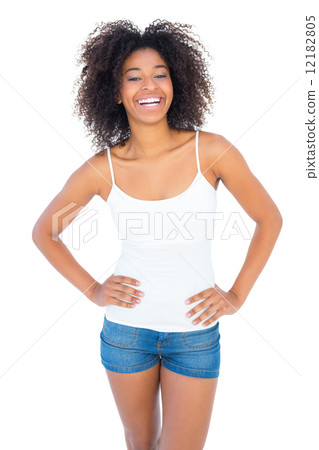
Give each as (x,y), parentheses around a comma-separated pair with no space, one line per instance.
(196,148)
(110,164)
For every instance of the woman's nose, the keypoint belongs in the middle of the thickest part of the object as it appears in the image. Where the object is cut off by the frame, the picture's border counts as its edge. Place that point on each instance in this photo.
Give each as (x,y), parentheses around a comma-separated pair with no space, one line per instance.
(148,83)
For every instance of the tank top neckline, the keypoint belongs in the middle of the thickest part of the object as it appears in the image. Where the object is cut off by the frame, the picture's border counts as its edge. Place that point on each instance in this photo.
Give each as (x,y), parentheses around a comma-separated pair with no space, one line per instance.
(198,174)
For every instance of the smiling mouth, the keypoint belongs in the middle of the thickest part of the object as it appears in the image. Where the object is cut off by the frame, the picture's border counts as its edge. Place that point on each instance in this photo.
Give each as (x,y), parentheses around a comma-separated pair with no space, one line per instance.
(150,103)
(149,100)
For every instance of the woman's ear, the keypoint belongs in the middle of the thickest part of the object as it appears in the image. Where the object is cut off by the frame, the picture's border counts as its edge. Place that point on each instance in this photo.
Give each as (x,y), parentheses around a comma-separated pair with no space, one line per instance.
(119,100)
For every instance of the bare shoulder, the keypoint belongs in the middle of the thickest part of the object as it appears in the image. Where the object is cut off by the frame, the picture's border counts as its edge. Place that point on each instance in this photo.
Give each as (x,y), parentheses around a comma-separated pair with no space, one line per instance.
(210,148)
(91,178)
(77,191)
(96,171)
(229,165)
(220,154)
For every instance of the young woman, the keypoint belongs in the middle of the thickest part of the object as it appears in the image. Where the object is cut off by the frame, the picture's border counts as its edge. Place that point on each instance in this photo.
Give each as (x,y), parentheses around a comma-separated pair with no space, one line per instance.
(144,96)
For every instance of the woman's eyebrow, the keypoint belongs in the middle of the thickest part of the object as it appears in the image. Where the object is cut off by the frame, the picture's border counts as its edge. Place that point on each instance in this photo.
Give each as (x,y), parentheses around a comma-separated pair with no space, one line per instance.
(137,68)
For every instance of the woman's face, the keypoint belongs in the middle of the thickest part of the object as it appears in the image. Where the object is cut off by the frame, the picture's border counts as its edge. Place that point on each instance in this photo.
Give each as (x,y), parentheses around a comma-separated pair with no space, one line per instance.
(146,90)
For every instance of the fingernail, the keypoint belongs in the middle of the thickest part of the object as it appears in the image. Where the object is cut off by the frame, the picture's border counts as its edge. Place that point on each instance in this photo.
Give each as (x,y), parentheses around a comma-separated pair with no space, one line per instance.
(138,300)
(188,314)
(187,302)
(141,294)
(194,322)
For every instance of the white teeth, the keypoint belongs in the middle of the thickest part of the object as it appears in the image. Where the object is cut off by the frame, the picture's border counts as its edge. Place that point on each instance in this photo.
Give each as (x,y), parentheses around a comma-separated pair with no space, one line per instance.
(149,100)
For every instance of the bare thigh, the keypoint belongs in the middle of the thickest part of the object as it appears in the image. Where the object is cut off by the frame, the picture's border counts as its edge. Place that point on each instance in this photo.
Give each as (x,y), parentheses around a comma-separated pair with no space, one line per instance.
(138,402)
(187,408)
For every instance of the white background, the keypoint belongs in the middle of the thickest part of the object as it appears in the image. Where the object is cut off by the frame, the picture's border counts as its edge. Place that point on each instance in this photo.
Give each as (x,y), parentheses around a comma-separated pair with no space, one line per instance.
(54,390)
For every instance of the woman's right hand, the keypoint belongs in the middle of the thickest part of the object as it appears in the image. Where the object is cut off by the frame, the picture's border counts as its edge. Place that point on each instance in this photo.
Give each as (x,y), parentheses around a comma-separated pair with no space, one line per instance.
(105,293)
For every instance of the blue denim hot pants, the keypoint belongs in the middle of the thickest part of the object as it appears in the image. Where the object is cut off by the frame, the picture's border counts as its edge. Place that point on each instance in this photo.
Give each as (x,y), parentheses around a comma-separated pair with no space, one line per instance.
(126,349)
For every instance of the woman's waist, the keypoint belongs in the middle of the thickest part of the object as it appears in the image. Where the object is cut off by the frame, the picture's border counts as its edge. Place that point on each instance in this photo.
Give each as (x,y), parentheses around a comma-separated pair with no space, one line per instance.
(181,272)
(170,288)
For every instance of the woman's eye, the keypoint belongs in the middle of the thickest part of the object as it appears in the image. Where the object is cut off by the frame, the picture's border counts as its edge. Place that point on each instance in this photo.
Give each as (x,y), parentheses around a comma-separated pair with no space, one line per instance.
(136,78)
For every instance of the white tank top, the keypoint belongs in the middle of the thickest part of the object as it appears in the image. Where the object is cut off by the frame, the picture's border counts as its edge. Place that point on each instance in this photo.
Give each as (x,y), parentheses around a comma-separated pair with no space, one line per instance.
(166,245)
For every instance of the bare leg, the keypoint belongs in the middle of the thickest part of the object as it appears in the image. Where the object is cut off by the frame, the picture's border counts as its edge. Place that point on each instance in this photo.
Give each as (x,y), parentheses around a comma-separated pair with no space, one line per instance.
(187,408)
(138,402)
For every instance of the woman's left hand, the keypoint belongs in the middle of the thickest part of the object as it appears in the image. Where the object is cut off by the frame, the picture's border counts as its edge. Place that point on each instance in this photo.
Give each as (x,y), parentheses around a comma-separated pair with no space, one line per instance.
(224,303)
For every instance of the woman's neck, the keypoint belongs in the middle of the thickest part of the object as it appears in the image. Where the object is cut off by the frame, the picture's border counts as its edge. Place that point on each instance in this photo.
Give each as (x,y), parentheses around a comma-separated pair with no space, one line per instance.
(147,141)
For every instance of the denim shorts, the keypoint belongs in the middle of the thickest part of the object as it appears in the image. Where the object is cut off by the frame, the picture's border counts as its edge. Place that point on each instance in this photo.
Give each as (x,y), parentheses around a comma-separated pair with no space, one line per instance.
(127,349)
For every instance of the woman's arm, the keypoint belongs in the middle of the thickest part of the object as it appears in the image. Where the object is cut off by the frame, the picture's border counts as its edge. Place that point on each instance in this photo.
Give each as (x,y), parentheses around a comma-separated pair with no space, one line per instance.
(78,190)
(231,167)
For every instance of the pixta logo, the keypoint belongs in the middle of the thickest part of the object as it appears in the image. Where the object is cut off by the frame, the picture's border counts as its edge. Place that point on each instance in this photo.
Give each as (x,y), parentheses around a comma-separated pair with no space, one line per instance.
(75,227)
(189,226)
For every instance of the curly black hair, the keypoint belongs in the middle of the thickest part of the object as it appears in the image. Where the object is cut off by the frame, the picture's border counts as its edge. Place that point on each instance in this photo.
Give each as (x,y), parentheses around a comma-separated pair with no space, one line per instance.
(99,81)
